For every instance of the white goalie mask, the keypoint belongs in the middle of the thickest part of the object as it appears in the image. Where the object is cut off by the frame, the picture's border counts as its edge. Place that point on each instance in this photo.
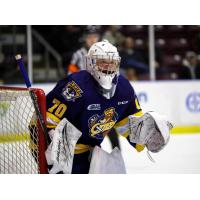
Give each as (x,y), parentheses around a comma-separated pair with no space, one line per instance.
(102,62)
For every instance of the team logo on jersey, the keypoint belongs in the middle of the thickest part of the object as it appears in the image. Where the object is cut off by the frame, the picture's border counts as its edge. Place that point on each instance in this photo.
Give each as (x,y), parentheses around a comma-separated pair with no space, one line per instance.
(72,91)
(100,125)
(94,107)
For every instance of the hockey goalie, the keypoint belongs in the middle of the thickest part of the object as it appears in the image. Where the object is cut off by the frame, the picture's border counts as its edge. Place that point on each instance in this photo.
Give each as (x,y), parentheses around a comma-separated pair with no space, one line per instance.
(86,106)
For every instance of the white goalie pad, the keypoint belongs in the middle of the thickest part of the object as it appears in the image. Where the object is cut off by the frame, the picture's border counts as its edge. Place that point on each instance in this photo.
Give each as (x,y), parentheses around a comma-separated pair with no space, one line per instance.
(60,152)
(151,130)
(103,162)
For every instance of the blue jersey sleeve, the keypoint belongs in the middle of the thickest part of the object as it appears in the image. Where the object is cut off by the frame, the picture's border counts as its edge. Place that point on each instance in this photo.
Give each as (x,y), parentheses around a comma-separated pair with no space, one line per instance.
(133,108)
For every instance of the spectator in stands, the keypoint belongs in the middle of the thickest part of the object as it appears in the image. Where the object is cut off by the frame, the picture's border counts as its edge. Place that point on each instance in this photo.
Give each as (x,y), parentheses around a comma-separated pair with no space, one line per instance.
(131,74)
(131,58)
(90,37)
(114,36)
(190,68)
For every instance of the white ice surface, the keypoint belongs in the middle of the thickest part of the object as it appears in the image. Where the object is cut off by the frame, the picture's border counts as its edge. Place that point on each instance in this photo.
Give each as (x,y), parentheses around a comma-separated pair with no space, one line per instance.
(181,155)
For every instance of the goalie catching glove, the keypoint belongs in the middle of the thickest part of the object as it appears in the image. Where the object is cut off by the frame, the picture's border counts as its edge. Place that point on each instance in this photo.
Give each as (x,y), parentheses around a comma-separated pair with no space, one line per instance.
(151,130)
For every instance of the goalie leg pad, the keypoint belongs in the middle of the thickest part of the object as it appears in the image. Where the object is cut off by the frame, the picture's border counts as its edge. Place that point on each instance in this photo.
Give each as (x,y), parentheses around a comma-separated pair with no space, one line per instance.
(60,152)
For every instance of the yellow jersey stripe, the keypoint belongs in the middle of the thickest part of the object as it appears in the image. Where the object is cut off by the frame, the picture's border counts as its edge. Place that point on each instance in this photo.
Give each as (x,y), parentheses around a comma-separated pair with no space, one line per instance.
(52,119)
(125,134)
(81,148)
(51,126)
(139,147)
(138,114)
(125,120)
(121,123)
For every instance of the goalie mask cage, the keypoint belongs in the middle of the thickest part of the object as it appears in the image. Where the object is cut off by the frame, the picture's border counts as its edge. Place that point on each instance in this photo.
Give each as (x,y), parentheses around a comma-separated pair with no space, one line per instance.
(22,141)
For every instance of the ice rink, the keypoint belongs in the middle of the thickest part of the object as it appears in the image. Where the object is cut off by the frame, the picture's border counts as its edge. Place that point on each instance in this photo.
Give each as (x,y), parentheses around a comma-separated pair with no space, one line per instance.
(181,155)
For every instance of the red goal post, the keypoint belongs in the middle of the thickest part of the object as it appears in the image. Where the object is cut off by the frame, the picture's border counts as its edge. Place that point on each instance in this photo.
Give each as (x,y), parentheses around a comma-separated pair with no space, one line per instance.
(22,141)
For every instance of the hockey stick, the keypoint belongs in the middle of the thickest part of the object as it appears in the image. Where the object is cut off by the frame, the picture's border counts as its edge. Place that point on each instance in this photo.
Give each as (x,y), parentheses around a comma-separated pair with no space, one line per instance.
(114,139)
(33,97)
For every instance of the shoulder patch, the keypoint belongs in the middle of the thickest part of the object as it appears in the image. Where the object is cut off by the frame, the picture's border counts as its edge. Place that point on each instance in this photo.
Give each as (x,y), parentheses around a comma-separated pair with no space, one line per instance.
(71,91)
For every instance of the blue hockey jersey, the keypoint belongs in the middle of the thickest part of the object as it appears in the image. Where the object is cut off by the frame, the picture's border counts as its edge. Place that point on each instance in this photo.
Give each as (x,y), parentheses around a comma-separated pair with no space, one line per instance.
(78,99)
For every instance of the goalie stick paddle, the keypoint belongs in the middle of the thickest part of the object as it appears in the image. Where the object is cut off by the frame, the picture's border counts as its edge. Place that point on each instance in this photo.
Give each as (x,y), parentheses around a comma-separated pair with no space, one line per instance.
(33,97)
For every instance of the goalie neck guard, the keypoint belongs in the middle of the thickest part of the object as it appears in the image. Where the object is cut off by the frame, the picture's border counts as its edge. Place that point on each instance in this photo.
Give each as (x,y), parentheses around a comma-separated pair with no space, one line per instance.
(102,62)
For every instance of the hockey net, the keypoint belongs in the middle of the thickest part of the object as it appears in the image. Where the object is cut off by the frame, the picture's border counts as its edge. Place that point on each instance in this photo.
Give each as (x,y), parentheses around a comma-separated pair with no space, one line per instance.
(22,143)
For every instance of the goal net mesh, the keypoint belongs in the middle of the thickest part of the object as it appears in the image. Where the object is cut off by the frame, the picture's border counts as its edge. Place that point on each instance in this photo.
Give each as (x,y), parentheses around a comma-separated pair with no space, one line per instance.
(19,147)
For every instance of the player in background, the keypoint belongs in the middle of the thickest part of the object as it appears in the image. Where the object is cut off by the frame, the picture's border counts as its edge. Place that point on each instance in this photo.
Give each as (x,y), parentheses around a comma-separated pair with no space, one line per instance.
(95,101)
(90,37)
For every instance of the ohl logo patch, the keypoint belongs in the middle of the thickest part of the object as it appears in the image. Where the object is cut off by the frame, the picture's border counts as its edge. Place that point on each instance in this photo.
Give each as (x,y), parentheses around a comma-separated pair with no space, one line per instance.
(100,125)
(72,91)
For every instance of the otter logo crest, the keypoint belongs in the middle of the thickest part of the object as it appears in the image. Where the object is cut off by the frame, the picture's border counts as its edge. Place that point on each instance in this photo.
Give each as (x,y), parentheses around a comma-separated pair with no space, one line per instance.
(101,125)
(72,91)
